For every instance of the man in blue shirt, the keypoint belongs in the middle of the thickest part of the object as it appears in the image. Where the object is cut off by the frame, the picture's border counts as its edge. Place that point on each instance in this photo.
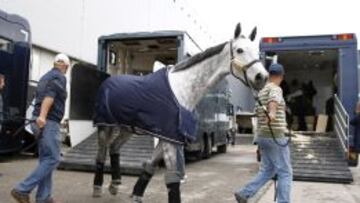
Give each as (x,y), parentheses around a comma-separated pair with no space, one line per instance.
(273,144)
(48,112)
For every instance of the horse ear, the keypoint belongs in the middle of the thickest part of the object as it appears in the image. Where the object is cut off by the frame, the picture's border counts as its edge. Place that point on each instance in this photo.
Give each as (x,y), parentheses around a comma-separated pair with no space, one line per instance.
(253,34)
(237,31)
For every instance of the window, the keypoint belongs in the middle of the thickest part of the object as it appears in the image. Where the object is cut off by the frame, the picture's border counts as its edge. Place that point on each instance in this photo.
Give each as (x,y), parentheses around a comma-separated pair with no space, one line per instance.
(5,45)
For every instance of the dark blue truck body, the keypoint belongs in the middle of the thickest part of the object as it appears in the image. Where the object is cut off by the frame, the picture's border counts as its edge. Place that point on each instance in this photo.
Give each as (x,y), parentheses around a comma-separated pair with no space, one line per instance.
(15,46)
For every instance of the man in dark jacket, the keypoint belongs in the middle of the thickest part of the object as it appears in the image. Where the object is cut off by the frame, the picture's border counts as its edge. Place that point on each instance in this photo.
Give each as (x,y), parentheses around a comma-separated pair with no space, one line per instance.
(48,113)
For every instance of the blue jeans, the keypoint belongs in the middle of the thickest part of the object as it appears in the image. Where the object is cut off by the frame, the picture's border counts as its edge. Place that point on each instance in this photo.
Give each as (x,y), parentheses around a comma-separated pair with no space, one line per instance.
(274,160)
(49,157)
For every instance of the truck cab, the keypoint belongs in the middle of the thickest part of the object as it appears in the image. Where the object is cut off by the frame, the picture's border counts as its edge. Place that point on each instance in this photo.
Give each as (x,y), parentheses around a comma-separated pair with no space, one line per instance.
(15,47)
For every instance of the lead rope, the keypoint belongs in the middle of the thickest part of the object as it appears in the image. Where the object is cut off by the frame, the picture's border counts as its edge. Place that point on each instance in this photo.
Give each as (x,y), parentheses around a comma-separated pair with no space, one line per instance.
(26,123)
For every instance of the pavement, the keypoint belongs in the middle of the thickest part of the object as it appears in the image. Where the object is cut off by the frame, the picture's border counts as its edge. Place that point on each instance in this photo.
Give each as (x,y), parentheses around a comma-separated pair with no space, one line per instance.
(208,181)
(310,192)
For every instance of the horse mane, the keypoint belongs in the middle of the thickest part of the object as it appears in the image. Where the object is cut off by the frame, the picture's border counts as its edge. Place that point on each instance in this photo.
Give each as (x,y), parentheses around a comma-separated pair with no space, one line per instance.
(185,64)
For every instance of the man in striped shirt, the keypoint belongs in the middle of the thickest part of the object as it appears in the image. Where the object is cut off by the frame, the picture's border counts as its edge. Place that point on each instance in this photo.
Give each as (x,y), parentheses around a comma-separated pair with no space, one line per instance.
(272,141)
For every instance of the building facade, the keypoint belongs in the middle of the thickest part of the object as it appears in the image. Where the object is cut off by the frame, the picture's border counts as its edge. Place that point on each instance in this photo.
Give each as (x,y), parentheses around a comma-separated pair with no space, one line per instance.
(73,27)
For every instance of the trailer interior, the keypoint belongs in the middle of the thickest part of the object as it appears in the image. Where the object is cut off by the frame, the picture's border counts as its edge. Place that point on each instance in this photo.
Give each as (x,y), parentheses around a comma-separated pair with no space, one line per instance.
(139,55)
(303,67)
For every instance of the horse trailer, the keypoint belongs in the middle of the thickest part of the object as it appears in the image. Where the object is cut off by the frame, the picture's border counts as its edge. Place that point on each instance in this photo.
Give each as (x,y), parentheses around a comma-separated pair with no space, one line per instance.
(15,47)
(138,53)
(321,88)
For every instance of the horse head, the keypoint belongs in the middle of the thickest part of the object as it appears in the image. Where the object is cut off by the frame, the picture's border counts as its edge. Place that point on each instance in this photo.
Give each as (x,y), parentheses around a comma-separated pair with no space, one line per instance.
(245,61)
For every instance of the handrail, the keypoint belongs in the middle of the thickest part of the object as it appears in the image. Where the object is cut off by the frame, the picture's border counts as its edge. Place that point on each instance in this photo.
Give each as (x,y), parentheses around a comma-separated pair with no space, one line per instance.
(341,124)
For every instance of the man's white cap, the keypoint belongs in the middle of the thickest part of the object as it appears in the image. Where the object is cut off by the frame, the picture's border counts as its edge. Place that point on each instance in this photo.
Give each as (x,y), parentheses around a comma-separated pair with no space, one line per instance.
(62,58)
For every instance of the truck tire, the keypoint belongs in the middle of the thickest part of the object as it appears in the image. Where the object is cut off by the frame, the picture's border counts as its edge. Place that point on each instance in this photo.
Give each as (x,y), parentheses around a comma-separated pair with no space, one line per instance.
(207,147)
(222,148)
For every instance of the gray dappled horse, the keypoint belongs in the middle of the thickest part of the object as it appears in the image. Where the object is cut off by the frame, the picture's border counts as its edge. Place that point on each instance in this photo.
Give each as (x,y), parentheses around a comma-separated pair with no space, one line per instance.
(171,95)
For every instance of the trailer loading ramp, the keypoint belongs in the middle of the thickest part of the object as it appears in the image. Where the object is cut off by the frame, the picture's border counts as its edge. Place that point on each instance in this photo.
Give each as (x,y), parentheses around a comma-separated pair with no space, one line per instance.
(315,157)
(134,152)
(319,158)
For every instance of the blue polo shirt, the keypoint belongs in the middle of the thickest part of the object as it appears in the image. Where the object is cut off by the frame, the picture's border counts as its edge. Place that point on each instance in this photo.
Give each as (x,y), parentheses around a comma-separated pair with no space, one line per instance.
(52,84)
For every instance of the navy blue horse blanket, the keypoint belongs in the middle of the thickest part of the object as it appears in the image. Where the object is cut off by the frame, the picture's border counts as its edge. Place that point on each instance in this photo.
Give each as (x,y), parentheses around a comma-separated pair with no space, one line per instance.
(146,102)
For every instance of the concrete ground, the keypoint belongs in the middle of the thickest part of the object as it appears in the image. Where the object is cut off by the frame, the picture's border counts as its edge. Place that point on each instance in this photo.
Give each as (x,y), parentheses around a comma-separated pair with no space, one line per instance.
(209,181)
(310,192)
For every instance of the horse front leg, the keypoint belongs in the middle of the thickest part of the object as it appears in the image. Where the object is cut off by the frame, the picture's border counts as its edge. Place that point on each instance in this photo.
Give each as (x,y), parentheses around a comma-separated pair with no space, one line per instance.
(148,172)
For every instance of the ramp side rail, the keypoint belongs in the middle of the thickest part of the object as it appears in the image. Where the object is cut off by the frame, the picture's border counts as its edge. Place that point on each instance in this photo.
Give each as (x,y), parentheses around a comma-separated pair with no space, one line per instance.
(341,125)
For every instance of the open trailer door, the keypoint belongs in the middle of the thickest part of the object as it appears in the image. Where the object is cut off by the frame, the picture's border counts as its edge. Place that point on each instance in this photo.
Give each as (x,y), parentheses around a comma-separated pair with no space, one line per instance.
(86,80)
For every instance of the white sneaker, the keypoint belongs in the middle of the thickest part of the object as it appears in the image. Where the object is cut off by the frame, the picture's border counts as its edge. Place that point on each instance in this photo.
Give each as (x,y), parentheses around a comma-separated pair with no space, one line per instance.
(183,180)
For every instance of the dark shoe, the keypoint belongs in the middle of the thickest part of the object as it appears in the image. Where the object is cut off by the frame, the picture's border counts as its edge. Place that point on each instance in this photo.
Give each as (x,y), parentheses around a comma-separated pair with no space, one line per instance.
(20,197)
(240,199)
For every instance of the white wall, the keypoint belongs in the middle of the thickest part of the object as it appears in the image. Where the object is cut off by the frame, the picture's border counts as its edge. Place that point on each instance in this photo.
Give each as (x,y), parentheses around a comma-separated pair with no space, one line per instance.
(73,27)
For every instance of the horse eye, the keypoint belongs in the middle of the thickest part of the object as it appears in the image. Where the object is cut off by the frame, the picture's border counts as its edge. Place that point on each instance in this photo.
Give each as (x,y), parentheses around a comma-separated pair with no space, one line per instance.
(239,50)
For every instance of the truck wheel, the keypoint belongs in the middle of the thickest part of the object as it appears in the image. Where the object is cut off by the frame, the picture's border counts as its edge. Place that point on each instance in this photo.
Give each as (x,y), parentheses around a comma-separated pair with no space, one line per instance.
(207,147)
(222,148)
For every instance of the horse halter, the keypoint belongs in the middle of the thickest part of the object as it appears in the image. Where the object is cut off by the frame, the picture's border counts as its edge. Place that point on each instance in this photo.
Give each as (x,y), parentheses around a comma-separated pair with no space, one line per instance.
(243,68)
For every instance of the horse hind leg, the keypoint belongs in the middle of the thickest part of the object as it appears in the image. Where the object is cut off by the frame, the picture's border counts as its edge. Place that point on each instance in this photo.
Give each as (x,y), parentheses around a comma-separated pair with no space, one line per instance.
(102,135)
(119,138)
(173,158)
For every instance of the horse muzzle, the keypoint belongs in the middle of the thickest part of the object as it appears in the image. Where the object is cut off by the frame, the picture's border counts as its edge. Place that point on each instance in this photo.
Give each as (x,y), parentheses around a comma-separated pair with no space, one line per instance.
(260,81)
